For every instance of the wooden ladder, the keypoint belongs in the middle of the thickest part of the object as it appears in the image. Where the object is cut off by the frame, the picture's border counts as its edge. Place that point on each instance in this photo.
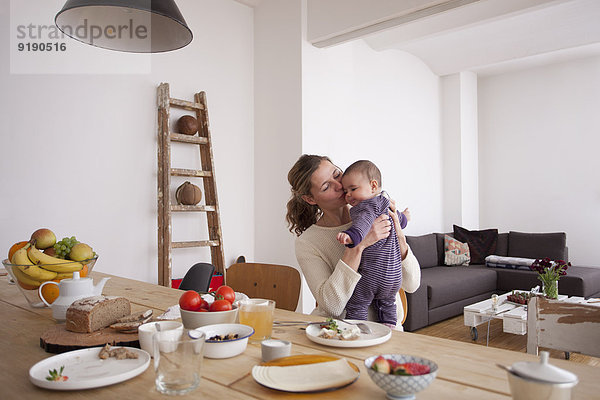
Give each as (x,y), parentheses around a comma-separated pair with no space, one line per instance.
(165,171)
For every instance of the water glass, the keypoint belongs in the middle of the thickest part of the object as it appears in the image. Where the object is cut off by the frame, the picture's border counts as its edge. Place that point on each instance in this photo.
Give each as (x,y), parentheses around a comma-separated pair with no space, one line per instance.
(257,313)
(177,361)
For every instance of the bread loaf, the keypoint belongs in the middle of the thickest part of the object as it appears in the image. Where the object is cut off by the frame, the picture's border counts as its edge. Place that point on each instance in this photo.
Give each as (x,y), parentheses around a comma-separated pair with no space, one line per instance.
(94,313)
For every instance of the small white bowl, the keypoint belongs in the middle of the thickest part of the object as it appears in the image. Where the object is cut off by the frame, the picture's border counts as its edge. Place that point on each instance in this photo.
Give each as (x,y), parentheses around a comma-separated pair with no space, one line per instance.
(147,330)
(196,319)
(225,348)
(402,386)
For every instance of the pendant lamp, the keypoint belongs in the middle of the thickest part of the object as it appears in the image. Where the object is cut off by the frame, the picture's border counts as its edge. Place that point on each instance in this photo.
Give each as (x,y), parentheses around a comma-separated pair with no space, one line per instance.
(135,26)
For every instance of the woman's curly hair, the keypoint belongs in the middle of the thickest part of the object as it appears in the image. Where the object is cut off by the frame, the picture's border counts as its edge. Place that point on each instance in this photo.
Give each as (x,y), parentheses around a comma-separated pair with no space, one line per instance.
(300,215)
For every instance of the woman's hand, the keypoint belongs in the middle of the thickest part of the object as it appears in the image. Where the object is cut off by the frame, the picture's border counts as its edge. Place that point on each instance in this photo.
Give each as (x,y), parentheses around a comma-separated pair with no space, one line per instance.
(399,232)
(379,230)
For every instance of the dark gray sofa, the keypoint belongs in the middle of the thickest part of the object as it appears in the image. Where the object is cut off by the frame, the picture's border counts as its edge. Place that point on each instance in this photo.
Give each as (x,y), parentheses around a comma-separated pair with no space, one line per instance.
(446,290)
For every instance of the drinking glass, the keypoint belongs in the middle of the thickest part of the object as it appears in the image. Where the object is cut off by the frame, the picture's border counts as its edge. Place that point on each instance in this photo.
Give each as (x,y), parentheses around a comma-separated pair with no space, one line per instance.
(177,361)
(257,313)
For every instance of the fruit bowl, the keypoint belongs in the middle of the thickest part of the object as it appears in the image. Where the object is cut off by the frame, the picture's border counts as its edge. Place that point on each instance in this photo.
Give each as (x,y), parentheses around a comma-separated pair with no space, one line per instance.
(402,386)
(29,283)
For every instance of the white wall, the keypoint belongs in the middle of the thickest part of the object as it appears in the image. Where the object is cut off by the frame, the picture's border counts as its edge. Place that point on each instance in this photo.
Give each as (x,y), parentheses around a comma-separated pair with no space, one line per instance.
(278,126)
(79,150)
(538,153)
(460,161)
(382,106)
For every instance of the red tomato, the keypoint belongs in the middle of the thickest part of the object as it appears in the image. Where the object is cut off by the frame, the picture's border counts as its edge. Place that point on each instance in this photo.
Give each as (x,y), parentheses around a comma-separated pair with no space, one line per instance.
(220,305)
(202,310)
(203,304)
(226,293)
(190,301)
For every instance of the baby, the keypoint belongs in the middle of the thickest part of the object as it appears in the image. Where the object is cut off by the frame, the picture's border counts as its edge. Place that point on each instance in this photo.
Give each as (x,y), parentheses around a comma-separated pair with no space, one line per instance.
(380,266)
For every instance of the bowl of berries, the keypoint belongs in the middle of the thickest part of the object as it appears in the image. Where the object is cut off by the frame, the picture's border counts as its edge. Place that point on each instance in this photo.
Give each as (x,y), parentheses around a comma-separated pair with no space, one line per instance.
(401,376)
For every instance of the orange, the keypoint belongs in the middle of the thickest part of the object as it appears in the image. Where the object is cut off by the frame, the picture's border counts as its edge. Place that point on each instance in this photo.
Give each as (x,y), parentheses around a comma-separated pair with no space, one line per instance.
(84,271)
(26,286)
(14,248)
(50,292)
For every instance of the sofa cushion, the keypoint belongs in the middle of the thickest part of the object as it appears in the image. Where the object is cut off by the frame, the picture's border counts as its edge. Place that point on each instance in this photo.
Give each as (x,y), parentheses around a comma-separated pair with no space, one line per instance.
(455,252)
(449,285)
(502,245)
(481,243)
(425,249)
(537,245)
(440,246)
(579,281)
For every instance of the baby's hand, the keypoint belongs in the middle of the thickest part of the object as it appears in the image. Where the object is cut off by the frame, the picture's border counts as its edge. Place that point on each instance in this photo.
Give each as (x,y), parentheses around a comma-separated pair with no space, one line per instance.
(406,213)
(343,238)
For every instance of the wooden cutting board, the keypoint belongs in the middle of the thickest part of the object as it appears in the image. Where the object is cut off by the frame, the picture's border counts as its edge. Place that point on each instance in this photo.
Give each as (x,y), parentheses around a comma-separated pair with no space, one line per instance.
(59,340)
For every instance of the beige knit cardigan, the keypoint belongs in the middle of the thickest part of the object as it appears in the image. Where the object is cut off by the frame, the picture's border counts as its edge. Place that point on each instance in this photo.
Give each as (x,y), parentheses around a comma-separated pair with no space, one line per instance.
(331,281)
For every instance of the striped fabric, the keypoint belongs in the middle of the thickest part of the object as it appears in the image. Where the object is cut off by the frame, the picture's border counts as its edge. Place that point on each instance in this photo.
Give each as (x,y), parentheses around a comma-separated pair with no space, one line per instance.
(508,262)
(380,265)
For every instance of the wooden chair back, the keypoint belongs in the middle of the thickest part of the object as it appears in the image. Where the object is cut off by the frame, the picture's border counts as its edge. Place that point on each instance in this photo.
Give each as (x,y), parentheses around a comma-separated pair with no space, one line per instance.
(558,325)
(267,281)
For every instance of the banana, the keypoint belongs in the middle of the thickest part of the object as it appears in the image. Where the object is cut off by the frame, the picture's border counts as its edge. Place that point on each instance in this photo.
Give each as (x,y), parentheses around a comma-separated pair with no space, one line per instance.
(52,263)
(39,273)
(64,275)
(25,279)
(20,257)
(23,263)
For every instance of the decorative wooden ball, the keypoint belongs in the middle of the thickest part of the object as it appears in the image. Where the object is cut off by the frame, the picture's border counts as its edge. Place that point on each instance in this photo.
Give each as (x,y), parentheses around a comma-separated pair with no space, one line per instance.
(187,125)
(188,194)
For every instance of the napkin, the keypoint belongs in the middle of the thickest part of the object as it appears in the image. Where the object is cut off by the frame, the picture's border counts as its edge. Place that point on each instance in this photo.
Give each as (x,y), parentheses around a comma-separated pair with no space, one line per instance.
(307,377)
(172,312)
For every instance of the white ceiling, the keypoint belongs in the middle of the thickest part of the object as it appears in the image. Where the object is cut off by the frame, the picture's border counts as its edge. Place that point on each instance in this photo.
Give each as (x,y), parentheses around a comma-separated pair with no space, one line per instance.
(478,37)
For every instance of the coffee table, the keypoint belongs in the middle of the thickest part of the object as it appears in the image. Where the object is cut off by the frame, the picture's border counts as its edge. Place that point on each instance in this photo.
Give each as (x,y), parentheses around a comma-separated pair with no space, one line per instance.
(513,316)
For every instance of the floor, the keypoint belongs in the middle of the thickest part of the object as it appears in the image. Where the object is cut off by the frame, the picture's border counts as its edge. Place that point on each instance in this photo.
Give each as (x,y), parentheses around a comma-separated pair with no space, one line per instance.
(455,329)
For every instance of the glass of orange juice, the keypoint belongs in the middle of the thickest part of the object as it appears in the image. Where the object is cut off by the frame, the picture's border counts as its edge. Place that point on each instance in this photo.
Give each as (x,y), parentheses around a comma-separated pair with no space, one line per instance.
(257,313)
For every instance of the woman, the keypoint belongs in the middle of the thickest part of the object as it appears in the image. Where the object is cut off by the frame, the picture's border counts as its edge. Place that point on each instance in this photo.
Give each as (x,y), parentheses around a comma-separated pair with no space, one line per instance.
(317,212)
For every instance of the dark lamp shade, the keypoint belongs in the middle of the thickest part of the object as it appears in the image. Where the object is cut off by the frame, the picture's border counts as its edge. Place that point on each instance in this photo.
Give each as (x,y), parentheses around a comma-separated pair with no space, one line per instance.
(135,26)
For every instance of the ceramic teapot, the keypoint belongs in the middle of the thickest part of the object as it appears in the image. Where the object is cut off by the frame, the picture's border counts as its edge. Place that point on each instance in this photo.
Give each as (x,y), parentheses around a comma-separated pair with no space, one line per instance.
(70,290)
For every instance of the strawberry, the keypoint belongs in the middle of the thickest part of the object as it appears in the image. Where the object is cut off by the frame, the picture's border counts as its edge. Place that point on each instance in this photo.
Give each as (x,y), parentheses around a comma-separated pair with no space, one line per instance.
(381,365)
(411,368)
(57,376)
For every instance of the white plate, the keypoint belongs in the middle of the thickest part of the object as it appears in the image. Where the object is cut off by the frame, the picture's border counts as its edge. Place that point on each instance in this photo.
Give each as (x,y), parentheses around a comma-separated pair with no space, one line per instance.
(85,370)
(307,378)
(380,333)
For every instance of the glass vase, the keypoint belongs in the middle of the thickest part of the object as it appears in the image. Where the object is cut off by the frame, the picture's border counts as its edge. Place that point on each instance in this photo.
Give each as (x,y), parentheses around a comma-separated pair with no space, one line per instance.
(550,289)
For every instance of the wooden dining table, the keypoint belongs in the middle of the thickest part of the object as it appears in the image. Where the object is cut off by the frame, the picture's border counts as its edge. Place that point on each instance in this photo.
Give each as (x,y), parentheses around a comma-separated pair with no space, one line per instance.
(466,370)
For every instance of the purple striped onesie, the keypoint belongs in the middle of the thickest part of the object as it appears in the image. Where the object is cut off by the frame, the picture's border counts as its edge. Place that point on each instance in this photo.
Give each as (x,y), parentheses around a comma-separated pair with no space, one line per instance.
(380,266)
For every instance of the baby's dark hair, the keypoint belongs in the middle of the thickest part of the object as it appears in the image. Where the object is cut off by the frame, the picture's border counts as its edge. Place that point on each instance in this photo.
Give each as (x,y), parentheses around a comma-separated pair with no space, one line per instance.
(367,168)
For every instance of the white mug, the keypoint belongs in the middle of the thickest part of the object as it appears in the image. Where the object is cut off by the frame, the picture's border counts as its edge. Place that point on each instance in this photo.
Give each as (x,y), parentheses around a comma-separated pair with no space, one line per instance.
(146,333)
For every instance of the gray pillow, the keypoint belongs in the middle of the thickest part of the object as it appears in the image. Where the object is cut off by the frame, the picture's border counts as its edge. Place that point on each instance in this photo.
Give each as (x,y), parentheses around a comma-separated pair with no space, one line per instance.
(425,249)
(537,245)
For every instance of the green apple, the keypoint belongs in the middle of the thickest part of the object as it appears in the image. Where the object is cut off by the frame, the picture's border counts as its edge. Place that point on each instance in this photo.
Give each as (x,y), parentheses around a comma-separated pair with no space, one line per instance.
(80,252)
